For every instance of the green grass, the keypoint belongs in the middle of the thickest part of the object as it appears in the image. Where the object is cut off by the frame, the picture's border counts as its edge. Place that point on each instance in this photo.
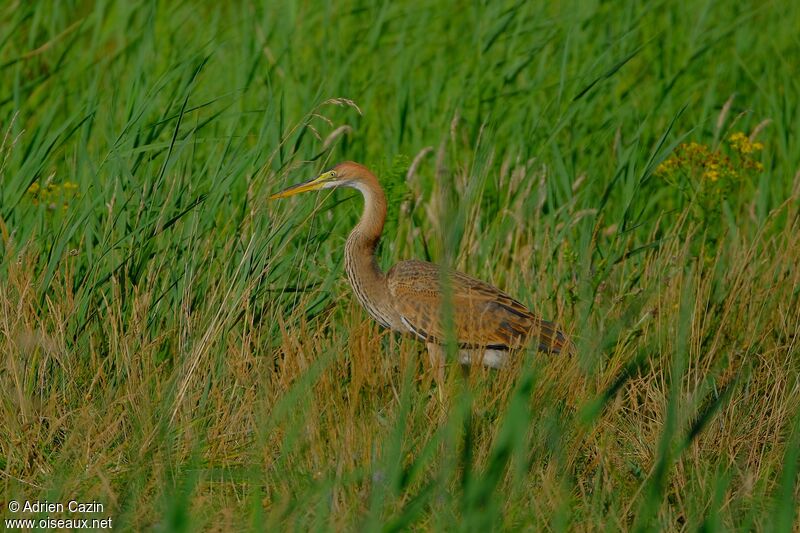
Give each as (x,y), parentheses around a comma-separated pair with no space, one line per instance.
(184,352)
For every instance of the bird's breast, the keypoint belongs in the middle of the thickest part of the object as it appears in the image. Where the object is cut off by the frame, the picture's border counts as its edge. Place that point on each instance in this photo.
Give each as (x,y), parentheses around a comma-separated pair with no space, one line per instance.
(370,289)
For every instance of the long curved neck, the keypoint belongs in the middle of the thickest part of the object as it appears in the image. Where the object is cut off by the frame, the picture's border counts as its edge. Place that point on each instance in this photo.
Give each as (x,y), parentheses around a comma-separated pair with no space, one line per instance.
(366,277)
(363,240)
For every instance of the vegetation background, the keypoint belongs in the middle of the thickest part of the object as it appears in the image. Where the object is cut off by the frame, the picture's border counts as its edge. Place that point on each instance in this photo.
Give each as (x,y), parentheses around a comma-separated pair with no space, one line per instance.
(189,355)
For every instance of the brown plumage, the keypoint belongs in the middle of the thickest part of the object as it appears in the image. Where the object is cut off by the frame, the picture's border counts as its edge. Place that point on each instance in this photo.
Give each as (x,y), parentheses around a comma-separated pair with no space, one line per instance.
(487,322)
(483,316)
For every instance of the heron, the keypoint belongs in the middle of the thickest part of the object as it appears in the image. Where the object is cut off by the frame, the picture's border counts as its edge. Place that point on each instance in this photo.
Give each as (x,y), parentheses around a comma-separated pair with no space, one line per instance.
(412,299)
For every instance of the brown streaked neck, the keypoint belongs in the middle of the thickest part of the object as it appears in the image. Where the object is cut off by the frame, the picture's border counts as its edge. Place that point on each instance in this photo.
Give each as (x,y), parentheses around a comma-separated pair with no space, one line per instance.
(365,276)
(363,240)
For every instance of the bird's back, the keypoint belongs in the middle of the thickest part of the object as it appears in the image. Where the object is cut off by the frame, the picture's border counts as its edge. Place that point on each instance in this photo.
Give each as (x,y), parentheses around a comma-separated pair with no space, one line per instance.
(483,316)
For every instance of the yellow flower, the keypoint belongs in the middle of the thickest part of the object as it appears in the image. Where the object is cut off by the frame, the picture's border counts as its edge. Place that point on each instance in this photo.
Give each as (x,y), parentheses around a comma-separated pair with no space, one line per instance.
(742,143)
(52,194)
(695,147)
(665,167)
(737,137)
(712,175)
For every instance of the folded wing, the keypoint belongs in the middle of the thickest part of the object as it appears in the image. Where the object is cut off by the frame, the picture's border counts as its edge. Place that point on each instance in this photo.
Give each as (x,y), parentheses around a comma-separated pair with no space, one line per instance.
(483,316)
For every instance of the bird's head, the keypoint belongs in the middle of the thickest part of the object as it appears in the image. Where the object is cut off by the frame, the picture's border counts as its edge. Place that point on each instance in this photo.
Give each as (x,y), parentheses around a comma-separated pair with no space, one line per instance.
(347,174)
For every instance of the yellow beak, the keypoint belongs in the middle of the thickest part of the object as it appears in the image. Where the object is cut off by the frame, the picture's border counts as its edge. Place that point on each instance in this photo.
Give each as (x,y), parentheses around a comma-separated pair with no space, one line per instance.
(311,185)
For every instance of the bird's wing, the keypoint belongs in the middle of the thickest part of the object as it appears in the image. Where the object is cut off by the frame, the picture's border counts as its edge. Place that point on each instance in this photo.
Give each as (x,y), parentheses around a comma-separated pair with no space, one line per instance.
(482,315)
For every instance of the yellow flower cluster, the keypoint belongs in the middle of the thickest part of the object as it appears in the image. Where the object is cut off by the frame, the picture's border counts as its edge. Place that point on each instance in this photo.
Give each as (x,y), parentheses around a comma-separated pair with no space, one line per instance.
(713,164)
(742,143)
(707,180)
(694,157)
(52,194)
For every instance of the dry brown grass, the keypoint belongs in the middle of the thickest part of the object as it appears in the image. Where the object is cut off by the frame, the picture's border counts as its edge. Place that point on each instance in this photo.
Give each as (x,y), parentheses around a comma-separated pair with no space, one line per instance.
(306,425)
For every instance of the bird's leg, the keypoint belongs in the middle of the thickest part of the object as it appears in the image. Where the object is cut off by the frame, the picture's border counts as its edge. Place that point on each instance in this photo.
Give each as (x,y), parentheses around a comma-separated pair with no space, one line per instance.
(465,370)
(436,356)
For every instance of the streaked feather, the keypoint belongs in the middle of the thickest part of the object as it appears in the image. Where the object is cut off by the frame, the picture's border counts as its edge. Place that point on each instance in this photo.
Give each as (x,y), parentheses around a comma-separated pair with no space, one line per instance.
(483,315)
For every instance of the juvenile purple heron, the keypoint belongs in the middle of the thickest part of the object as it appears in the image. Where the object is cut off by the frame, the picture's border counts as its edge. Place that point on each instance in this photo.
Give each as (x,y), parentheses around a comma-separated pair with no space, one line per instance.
(408,298)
